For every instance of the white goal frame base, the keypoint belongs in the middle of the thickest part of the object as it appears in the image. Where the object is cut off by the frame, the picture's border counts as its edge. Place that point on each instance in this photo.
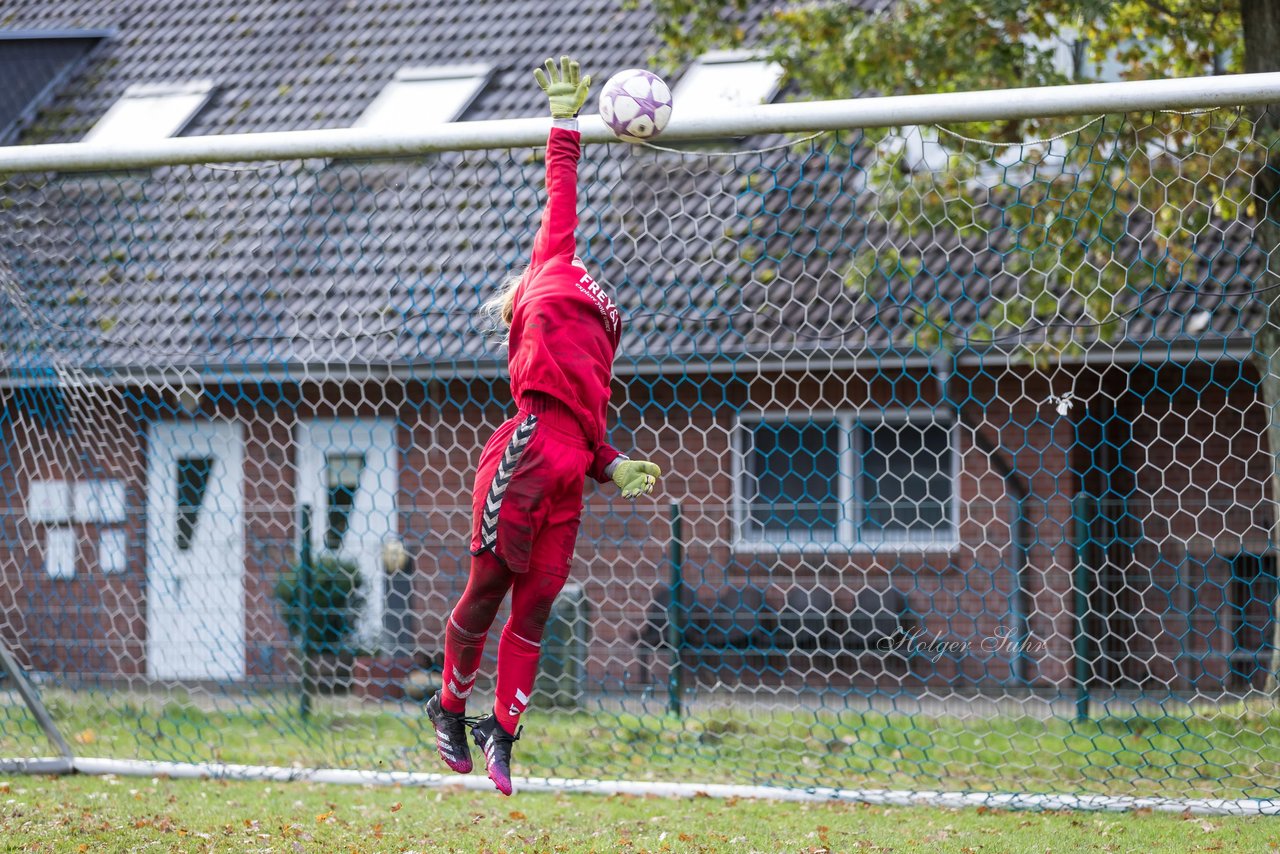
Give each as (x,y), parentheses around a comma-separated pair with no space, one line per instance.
(879,797)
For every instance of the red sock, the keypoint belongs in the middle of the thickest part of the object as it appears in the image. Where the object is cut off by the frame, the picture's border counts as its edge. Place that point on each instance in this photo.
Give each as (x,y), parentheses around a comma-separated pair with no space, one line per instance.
(462,653)
(517,669)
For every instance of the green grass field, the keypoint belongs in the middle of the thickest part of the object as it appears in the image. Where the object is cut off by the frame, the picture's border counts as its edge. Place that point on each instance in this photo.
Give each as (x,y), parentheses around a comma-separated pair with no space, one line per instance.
(126,813)
(1231,752)
(1228,754)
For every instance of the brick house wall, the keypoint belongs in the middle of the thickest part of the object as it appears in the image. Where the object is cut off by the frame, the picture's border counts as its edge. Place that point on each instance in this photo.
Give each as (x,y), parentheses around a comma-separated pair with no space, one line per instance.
(93,621)
(1203,436)
(1190,464)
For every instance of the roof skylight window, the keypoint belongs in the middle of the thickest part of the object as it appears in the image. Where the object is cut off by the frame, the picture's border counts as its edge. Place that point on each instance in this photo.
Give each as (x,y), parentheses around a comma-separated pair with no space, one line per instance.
(726,80)
(151,111)
(418,98)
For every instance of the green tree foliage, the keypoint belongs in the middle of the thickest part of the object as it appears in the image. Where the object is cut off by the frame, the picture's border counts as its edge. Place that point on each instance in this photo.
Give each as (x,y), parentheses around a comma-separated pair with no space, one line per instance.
(1061,195)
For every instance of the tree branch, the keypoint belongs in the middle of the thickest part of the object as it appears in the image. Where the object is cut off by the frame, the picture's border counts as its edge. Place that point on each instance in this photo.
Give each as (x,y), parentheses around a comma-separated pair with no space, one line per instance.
(1162,9)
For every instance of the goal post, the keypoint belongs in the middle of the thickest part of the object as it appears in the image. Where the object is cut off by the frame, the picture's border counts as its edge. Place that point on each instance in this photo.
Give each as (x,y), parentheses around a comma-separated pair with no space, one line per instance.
(966,494)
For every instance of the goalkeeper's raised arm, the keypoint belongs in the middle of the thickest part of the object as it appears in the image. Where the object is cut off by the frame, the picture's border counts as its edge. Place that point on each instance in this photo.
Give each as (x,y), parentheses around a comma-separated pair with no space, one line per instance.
(566,92)
(563,330)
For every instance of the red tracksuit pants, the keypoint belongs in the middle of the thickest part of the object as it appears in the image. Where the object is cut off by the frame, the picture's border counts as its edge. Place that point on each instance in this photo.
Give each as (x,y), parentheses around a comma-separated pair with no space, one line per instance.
(527,501)
(526,508)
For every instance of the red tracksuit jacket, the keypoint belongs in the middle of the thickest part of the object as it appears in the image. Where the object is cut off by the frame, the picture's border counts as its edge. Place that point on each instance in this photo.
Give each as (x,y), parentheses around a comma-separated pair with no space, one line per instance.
(565,328)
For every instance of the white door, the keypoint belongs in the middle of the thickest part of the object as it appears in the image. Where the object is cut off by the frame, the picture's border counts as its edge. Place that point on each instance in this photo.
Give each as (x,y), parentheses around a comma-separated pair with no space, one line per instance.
(347,473)
(195,551)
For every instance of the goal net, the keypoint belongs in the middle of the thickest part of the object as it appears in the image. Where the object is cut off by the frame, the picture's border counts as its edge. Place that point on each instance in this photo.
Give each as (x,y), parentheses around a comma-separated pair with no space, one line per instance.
(967,478)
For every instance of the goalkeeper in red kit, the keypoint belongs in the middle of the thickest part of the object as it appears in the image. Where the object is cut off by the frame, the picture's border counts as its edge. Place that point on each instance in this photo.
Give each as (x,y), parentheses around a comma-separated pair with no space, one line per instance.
(563,331)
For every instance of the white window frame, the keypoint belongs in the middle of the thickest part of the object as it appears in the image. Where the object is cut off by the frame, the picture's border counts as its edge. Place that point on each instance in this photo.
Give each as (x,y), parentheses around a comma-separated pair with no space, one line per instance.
(478,75)
(196,92)
(847,537)
(688,83)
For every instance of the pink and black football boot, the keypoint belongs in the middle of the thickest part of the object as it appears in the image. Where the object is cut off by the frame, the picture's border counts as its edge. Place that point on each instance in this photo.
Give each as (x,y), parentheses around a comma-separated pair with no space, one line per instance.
(496,743)
(451,735)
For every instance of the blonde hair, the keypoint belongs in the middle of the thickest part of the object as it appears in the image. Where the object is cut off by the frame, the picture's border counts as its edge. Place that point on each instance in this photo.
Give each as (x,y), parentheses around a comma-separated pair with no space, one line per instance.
(500,308)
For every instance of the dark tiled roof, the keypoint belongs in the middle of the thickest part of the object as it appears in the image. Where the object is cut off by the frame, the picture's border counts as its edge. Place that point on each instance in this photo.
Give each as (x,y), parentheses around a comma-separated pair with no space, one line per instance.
(282,65)
(383,263)
(33,67)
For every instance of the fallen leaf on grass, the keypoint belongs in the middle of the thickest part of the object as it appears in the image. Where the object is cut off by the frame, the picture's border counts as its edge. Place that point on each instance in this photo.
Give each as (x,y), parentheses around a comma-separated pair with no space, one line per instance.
(397,806)
(517,815)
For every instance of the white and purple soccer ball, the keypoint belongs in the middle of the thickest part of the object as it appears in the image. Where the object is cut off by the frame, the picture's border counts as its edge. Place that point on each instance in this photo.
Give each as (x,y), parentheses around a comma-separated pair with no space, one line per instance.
(635,104)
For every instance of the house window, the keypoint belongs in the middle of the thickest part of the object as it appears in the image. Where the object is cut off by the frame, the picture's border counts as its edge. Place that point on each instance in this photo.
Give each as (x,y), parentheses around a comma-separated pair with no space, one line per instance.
(793,471)
(905,483)
(846,479)
(422,98)
(722,81)
(151,111)
(60,552)
(342,482)
(193,483)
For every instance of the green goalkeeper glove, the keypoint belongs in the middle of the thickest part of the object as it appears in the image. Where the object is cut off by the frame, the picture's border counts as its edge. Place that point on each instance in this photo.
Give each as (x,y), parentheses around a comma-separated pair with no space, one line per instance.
(565,89)
(636,477)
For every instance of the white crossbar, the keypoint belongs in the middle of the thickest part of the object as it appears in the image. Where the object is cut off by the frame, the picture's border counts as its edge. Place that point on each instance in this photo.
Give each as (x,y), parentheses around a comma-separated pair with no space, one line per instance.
(1085,99)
